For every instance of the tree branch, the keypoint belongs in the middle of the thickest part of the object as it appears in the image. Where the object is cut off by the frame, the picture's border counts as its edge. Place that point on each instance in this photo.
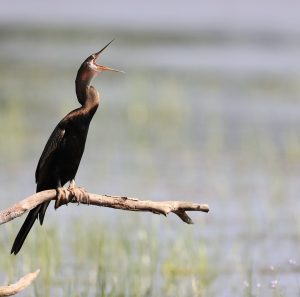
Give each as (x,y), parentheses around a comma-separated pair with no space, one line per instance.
(119,202)
(20,285)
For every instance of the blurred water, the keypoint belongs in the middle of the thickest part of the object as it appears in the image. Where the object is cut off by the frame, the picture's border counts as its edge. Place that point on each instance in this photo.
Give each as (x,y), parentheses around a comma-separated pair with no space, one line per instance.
(212,117)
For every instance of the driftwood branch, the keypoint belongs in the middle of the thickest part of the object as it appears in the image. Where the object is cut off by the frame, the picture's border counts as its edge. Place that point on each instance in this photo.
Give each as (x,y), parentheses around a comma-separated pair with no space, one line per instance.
(119,202)
(20,285)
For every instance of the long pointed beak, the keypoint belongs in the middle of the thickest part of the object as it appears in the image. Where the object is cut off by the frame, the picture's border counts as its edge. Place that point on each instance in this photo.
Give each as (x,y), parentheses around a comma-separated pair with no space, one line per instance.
(105,68)
(98,53)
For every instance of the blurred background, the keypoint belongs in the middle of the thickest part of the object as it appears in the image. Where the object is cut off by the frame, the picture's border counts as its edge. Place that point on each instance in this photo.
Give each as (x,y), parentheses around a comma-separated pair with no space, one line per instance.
(208,111)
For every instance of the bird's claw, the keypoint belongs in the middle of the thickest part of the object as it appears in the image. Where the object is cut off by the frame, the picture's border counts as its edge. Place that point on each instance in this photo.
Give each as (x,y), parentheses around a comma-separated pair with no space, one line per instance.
(62,197)
(78,194)
(73,193)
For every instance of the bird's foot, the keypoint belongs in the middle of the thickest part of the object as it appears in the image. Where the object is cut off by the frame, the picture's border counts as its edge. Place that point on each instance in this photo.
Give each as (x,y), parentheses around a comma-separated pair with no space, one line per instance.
(78,194)
(62,197)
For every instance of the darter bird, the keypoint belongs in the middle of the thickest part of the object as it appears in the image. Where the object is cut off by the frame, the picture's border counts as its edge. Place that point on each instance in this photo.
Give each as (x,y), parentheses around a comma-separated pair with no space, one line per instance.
(61,156)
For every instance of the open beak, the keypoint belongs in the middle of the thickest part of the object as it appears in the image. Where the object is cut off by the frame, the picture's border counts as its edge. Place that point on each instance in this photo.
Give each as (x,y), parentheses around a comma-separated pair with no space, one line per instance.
(104,68)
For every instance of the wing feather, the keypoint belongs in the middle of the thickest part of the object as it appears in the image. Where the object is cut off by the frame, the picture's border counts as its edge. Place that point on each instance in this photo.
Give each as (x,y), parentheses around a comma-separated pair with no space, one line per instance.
(51,147)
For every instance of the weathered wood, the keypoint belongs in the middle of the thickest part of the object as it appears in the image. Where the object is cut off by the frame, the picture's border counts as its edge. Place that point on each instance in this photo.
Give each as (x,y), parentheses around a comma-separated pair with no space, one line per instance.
(20,285)
(119,202)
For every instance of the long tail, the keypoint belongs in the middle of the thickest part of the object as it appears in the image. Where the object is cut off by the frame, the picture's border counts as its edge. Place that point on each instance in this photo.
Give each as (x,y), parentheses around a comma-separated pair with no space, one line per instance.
(27,225)
(36,213)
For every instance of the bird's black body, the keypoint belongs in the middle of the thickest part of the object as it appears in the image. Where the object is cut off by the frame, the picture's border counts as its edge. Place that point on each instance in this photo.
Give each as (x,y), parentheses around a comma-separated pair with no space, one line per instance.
(62,154)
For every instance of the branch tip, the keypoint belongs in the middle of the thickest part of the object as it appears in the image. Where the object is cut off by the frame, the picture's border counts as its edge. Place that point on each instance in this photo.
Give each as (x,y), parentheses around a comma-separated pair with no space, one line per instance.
(20,285)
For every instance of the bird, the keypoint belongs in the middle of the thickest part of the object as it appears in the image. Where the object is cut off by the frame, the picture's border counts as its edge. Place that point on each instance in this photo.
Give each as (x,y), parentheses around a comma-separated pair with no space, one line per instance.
(62,154)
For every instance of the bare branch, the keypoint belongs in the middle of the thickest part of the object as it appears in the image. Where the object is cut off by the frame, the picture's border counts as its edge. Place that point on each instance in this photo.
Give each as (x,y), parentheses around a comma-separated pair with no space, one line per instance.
(119,202)
(20,285)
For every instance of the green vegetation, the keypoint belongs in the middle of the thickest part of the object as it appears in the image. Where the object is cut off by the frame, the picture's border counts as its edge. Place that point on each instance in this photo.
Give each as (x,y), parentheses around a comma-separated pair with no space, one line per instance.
(129,259)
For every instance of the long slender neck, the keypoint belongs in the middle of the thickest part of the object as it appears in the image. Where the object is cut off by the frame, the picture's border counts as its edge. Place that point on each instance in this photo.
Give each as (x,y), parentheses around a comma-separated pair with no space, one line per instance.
(87,96)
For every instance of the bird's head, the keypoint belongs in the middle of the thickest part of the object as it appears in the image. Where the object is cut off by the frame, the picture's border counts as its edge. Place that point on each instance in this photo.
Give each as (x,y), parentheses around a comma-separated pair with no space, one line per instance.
(89,68)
